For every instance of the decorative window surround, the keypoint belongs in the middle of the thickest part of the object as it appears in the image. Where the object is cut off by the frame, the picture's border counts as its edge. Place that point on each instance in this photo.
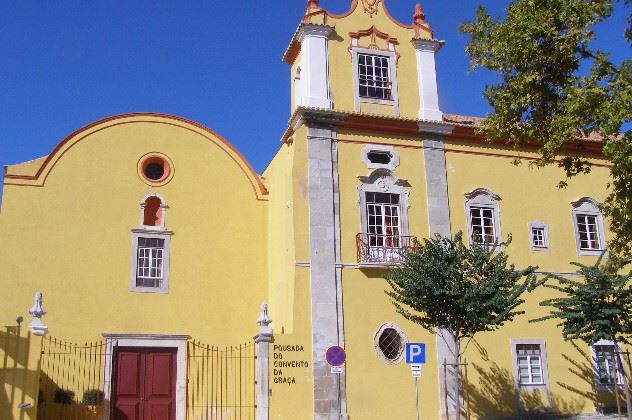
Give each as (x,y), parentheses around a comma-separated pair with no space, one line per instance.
(383,181)
(177,341)
(544,386)
(391,55)
(482,199)
(402,338)
(607,364)
(425,50)
(539,236)
(394,163)
(587,210)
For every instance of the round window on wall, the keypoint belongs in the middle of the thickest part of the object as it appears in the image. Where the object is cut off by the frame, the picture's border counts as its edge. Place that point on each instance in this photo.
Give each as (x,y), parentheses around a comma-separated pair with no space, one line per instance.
(155,169)
(389,343)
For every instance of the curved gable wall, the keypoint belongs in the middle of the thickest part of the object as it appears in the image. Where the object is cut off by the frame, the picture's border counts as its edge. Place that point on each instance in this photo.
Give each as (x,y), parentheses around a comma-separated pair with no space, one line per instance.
(69,226)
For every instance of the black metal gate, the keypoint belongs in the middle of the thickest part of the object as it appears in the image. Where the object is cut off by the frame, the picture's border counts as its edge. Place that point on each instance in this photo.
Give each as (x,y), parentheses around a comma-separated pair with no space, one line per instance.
(221,382)
(71,380)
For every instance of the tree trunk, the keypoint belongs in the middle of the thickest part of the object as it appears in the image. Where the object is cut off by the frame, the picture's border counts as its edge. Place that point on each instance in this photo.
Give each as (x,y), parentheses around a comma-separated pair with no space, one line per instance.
(457,373)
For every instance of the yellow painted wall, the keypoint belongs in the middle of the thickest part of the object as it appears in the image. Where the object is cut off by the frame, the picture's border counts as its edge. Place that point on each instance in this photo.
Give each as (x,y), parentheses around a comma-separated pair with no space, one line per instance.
(71,238)
(340,64)
(19,372)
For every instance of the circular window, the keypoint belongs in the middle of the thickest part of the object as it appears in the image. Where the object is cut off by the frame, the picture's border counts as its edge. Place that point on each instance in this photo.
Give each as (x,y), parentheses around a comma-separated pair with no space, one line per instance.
(389,343)
(155,169)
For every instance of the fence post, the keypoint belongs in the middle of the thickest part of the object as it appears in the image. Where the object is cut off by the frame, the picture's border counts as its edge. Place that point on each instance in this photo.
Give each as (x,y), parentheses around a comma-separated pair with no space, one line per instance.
(262,343)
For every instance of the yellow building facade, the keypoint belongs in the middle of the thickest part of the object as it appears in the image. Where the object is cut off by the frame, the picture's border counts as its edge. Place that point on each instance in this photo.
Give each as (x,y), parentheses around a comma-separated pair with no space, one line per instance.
(154,244)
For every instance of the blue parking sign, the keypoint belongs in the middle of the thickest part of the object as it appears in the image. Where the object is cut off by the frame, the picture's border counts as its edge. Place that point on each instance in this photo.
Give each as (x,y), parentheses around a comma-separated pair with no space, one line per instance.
(415,353)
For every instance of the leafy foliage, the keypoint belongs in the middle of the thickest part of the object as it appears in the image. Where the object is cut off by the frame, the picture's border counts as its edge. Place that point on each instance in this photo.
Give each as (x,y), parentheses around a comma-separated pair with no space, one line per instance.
(598,307)
(546,97)
(447,285)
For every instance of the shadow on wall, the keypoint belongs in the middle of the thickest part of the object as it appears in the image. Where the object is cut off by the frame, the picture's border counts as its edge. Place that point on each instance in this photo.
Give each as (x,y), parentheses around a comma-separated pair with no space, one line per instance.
(58,402)
(582,367)
(495,396)
(19,373)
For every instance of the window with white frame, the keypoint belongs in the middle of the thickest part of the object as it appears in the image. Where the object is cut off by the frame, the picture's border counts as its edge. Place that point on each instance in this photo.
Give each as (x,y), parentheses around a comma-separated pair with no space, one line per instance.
(383,215)
(150,248)
(608,368)
(529,359)
(482,215)
(374,79)
(149,271)
(383,200)
(539,236)
(530,364)
(588,224)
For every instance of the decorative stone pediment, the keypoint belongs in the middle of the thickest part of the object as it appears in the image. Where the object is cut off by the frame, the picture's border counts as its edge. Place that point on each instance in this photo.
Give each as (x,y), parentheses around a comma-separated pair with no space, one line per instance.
(373,39)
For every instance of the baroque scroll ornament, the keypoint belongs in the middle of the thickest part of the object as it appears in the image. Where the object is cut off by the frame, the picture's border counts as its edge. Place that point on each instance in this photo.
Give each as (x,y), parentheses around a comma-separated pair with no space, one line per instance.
(370,6)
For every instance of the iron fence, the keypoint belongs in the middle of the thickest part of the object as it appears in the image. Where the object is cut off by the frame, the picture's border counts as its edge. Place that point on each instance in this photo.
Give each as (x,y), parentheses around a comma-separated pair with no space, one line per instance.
(221,382)
(71,380)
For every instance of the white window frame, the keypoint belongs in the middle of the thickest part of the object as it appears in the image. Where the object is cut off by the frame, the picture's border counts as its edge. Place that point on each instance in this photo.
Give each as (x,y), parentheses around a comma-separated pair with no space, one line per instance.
(544,386)
(589,207)
(545,229)
(143,233)
(383,181)
(484,199)
(593,352)
(392,68)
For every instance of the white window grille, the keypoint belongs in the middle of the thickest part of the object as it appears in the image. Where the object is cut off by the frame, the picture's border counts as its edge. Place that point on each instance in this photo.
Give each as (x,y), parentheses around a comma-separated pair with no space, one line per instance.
(482,225)
(529,361)
(605,359)
(538,237)
(384,226)
(588,231)
(373,76)
(150,259)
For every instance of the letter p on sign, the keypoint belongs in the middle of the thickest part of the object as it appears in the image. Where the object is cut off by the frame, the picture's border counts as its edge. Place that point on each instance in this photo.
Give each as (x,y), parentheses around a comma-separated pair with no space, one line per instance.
(415,353)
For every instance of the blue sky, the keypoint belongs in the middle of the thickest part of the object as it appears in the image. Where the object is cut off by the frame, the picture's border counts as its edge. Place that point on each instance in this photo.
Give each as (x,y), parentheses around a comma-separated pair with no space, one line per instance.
(214,62)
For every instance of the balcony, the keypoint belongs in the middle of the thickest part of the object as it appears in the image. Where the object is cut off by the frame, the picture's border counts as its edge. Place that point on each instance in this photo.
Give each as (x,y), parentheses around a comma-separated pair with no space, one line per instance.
(383,250)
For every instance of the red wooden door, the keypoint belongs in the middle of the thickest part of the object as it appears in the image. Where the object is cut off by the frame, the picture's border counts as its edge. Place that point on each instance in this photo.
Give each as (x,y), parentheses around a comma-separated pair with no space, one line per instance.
(144,384)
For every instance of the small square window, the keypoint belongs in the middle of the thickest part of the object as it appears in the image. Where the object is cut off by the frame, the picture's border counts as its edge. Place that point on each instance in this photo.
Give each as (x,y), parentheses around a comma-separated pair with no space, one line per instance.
(538,236)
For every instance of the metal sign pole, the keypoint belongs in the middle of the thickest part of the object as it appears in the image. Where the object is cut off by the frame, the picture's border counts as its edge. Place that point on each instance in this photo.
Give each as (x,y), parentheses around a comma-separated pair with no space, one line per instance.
(417,396)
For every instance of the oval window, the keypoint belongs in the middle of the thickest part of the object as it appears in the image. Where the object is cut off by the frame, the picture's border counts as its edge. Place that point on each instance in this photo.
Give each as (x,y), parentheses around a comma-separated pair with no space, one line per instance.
(155,169)
(389,343)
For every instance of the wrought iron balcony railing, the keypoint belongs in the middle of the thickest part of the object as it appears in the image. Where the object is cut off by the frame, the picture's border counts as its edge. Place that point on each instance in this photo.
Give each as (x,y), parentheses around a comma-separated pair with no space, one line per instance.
(383,249)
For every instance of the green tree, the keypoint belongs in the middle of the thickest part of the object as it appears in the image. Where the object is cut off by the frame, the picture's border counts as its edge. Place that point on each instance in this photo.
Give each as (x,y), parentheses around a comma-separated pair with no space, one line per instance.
(555,88)
(597,306)
(457,291)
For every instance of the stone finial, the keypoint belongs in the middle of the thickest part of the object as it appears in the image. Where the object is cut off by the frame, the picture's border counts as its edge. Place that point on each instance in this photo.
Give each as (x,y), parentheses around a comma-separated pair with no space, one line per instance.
(264,320)
(313,4)
(37,311)
(419,21)
(419,16)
